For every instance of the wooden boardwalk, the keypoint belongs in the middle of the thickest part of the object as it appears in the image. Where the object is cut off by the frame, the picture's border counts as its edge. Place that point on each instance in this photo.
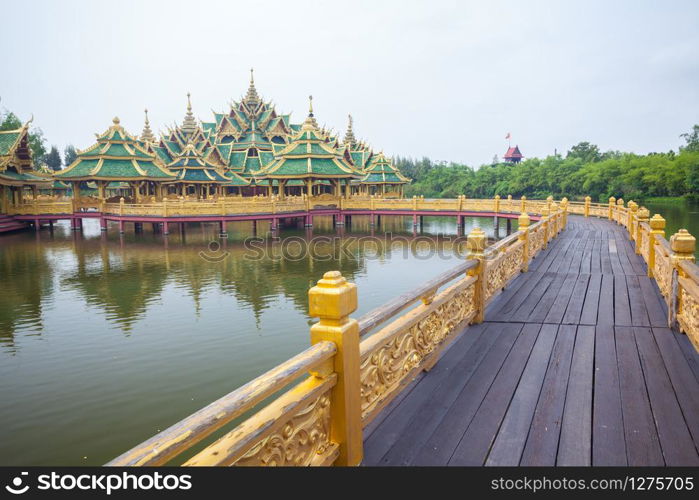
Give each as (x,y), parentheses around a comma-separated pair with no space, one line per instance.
(574,365)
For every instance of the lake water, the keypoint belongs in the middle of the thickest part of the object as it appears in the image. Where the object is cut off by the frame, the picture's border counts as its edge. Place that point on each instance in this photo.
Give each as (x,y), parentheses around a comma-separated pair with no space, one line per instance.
(679,214)
(105,340)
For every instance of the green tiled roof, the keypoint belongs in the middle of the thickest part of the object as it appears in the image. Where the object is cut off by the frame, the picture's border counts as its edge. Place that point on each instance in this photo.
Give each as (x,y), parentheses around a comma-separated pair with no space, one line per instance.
(7,140)
(382,171)
(200,175)
(109,160)
(237,180)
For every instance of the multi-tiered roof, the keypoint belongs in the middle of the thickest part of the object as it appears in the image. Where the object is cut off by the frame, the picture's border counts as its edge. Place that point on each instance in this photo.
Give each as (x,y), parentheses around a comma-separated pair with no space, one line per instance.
(16,159)
(383,171)
(116,156)
(309,155)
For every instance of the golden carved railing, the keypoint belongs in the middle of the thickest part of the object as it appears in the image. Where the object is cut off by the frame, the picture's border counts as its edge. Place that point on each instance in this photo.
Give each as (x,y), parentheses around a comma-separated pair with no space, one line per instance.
(353,368)
(411,342)
(292,430)
(172,206)
(43,207)
(670,263)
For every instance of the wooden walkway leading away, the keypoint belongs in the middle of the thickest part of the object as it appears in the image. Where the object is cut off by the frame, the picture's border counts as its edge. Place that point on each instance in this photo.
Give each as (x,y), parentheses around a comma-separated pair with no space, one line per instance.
(574,365)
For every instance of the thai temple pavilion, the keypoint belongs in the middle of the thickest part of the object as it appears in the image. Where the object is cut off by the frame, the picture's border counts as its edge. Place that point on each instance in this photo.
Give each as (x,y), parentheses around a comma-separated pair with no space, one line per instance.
(249,149)
(513,155)
(16,173)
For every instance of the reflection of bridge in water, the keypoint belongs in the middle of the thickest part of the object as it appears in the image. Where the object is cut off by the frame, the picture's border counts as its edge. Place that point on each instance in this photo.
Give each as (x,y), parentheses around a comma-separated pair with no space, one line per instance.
(299,211)
(579,352)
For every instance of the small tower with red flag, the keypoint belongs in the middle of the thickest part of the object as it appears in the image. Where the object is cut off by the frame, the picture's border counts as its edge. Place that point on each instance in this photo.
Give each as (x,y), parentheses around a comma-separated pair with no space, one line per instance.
(513,154)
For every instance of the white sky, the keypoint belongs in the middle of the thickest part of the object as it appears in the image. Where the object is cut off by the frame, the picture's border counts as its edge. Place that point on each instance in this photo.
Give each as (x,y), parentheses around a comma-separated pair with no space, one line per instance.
(445,79)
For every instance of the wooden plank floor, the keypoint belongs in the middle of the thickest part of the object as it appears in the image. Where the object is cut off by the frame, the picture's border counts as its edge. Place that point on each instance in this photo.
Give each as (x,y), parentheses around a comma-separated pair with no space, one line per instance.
(574,365)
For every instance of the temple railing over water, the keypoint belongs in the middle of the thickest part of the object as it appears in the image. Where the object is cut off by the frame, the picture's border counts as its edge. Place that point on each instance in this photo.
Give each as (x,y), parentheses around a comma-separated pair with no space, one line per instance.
(355,368)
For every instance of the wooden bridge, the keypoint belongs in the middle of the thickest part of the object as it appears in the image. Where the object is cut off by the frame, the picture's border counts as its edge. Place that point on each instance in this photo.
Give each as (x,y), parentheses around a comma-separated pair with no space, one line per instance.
(566,343)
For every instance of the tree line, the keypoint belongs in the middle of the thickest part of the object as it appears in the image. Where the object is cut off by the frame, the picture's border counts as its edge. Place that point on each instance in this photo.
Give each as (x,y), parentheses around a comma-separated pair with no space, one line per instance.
(584,170)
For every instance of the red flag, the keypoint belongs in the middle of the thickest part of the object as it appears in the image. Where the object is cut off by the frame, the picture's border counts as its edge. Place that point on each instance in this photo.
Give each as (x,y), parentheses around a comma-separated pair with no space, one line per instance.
(507,136)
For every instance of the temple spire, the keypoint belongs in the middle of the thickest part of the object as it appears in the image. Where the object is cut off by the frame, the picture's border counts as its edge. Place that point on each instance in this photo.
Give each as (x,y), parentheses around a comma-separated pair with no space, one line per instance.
(189,125)
(252,97)
(310,122)
(147,134)
(350,140)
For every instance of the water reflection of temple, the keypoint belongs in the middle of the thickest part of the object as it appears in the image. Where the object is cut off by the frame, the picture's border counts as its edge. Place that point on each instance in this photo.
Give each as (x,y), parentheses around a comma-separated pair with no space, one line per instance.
(124,278)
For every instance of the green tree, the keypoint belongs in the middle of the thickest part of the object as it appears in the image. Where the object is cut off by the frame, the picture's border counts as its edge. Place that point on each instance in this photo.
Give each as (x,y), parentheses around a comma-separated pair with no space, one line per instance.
(53,159)
(69,155)
(585,151)
(692,139)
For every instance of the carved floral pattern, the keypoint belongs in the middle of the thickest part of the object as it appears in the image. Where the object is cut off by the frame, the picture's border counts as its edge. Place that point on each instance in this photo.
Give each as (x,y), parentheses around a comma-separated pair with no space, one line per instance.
(298,441)
(688,316)
(382,371)
(503,270)
(662,272)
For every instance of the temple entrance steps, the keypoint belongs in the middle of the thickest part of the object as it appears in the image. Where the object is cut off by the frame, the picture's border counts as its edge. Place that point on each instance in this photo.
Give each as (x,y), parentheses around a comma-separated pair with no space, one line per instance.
(8,223)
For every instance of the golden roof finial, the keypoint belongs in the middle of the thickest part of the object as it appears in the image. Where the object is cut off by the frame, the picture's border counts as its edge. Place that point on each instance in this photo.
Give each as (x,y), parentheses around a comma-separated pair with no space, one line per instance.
(310,122)
(189,125)
(147,134)
(350,140)
(251,97)
(115,120)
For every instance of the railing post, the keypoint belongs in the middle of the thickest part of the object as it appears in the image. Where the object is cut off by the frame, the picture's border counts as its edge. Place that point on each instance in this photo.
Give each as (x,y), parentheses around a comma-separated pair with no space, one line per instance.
(524,222)
(414,202)
(564,208)
(333,300)
(121,206)
(632,207)
(509,203)
(496,204)
(164,207)
(475,243)
(460,205)
(619,211)
(545,225)
(683,246)
(612,203)
(587,206)
(523,207)
(556,216)
(657,227)
(642,216)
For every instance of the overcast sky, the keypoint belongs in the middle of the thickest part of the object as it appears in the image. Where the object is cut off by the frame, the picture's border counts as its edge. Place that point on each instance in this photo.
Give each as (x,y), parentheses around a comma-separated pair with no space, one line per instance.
(444,79)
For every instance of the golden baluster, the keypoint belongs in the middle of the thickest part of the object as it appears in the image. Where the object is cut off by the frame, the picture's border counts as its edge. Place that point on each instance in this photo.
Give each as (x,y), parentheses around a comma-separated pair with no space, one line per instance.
(612,205)
(475,243)
(524,222)
(545,226)
(642,216)
(683,246)
(523,206)
(332,300)
(587,206)
(657,227)
(631,219)
(564,208)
